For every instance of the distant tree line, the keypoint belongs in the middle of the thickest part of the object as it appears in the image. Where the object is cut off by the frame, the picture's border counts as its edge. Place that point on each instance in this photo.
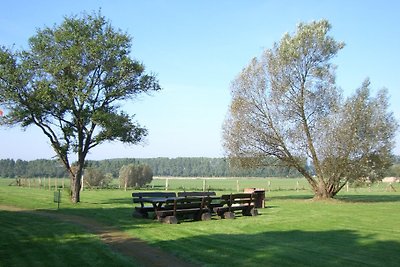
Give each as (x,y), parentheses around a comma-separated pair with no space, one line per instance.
(183,167)
(36,168)
(192,167)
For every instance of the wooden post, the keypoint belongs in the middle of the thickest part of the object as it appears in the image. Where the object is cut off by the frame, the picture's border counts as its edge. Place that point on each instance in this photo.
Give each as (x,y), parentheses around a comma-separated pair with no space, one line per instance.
(204,185)
(297,186)
(49,183)
(269,186)
(166,184)
(347,186)
(237,186)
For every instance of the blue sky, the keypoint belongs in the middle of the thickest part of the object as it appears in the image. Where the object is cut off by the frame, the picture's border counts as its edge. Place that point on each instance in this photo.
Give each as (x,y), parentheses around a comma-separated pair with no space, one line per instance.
(196,48)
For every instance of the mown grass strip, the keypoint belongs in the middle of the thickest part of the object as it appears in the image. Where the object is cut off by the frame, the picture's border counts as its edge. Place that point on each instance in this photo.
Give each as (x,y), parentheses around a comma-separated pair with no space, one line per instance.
(357,229)
(32,240)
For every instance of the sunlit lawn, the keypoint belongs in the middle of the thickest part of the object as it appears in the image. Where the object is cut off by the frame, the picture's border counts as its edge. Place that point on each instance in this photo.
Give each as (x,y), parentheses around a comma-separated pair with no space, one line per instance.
(359,228)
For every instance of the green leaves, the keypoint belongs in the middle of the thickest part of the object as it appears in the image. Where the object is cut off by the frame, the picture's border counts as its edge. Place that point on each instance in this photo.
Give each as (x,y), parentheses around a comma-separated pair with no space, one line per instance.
(119,127)
(286,104)
(70,82)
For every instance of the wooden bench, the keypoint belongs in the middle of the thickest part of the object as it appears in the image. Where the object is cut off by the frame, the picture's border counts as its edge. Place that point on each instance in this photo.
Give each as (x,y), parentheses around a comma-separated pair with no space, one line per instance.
(213,203)
(196,194)
(196,207)
(236,202)
(141,197)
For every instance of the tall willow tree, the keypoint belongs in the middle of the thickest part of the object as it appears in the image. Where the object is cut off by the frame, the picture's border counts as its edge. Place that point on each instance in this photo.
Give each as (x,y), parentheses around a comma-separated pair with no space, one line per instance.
(70,83)
(286,104)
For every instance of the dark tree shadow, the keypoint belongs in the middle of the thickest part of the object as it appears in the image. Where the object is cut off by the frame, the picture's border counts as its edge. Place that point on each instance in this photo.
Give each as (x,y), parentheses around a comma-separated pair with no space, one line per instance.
(28,239)
(287,248)
(290,197)
(267,248)
(362,198)
(369,198)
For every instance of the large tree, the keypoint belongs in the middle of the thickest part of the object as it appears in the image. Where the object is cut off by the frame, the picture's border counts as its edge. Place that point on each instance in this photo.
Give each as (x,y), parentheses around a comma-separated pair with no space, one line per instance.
(70,84)
(286,104)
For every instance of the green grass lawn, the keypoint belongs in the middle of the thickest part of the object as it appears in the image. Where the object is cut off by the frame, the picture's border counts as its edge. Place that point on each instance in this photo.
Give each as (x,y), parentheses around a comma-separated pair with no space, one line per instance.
(31,240)
(359,228)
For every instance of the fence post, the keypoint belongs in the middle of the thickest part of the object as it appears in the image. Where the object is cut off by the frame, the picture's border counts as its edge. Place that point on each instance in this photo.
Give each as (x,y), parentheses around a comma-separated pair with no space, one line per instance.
(166,184)
(204,185)
(237,186)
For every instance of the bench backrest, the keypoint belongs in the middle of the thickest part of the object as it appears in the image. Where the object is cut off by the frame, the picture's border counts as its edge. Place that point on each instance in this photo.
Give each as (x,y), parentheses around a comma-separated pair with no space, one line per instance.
(196,194)
(240,198)
(137,196)
(188,202)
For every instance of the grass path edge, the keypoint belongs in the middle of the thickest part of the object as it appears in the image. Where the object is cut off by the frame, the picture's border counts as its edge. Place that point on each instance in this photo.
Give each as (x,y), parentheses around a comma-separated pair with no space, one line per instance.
(134,248)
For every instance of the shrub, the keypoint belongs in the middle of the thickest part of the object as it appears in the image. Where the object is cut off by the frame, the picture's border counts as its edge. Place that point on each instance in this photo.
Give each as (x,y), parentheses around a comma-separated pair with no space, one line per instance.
(96,178)
(134,175)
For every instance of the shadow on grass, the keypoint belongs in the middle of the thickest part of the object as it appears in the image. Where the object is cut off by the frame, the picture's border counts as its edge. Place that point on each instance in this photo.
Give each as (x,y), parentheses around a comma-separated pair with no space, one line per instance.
(120,218)
(117,201)
(286,248)
(290,197)
(359,198)
(369,198)
(267,248)
(31,240)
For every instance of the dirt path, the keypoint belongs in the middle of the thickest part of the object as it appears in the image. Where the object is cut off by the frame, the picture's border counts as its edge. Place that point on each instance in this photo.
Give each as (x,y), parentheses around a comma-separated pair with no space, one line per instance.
(133,248)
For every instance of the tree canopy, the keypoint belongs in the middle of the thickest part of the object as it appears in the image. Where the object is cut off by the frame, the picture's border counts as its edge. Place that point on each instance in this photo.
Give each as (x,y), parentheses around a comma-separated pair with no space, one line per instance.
(286,104)
(70,83)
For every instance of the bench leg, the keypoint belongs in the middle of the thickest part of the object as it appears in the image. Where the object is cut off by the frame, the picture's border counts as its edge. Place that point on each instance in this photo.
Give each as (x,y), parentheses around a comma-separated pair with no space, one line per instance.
(254,212)
(250,212)
(206,216)
(229,215)
(219,212)
(170,220)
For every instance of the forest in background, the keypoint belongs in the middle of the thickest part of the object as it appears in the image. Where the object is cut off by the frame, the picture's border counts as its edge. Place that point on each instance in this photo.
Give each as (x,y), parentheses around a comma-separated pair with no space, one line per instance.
(180,167)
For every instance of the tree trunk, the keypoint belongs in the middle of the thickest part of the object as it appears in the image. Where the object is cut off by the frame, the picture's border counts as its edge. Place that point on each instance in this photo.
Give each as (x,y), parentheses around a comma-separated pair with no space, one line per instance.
(76,185)
(324,191)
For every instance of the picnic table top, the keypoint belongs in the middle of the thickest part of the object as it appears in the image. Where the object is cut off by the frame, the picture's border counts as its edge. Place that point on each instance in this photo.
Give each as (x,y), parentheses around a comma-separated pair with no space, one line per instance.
(158,199)
(164,199)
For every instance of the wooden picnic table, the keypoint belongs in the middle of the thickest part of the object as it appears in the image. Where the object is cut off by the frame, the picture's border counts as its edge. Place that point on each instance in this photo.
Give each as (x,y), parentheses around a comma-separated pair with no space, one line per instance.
(166,206)
(168,209)
(156,199)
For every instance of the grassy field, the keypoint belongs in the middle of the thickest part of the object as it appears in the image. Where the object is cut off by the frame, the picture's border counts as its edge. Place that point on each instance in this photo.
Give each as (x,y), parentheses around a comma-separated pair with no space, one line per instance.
(228,184)
(359,228)
(28,240)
